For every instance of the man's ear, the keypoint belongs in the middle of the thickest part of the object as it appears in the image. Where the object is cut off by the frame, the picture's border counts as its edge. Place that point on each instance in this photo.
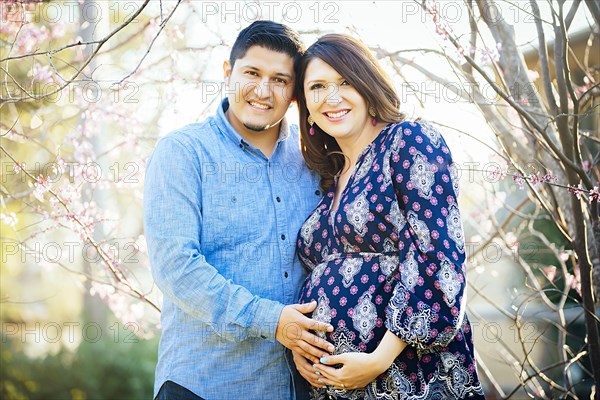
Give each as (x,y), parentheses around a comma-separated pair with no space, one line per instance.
(226,69)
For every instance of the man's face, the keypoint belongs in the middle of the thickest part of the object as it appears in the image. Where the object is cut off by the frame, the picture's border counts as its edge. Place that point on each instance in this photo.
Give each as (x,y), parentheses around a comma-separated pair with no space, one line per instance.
(259,87)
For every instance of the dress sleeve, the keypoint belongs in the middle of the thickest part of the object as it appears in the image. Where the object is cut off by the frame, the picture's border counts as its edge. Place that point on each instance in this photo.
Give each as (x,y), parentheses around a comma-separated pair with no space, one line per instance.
(427,306)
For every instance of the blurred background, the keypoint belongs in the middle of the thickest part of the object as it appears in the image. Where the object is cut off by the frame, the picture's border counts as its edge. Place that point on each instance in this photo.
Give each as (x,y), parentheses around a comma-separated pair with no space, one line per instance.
(88,87)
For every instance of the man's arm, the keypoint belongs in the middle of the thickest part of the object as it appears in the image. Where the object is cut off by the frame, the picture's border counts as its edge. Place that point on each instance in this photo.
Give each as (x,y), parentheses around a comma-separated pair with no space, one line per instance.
(173,221)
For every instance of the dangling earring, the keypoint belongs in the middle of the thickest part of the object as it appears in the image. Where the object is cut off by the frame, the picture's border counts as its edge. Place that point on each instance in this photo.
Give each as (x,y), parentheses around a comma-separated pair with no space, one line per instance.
(311,122)
(373,114)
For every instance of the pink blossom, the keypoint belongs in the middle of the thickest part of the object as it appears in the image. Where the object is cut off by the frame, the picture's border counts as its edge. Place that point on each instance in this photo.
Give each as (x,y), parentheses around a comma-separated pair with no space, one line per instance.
(9,219)
(594,194)
(41,186)
(550,272)
(576,190)
(519,180)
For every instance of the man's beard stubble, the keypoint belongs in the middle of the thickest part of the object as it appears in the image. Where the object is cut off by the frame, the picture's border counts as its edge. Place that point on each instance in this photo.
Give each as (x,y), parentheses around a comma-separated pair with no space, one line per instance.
(256,128)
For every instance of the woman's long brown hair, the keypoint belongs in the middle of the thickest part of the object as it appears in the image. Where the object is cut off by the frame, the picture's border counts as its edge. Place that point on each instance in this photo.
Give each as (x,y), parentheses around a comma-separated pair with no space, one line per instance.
(353,61)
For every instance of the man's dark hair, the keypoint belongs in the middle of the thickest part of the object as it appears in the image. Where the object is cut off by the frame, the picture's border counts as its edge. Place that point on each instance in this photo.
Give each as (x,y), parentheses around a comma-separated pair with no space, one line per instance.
(270,35)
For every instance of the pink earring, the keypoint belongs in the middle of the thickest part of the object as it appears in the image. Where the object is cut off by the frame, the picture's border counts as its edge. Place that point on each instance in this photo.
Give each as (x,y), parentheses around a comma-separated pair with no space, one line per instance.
(310,120)
(372,114)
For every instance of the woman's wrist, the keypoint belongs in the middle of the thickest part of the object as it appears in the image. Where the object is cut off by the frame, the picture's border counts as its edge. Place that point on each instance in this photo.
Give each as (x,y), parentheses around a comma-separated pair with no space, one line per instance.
(382,359)
(386,352)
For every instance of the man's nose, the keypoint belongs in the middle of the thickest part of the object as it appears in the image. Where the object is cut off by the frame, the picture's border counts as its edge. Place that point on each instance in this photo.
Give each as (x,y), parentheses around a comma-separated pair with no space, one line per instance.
(264,88)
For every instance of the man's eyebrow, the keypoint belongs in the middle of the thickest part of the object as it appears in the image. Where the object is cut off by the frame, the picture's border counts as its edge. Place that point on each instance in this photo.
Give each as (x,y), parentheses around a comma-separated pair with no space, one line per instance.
(285,74)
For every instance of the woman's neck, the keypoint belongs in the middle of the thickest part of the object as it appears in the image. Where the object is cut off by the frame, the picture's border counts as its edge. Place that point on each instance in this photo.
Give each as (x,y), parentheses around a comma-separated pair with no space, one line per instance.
(353,147)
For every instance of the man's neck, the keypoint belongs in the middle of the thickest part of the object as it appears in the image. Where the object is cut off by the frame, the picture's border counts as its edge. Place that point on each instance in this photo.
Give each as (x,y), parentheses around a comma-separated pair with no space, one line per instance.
(265,140)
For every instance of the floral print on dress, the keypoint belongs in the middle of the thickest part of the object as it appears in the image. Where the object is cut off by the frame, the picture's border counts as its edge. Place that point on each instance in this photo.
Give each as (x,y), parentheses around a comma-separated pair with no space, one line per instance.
(455,231)
(364,317)
(422,175)
(392,258)
(358,213)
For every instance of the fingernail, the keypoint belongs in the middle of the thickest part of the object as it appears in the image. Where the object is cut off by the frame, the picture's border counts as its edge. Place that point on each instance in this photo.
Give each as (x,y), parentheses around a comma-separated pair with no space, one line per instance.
(317,372)
(323,360)
(331,349)
(320,380)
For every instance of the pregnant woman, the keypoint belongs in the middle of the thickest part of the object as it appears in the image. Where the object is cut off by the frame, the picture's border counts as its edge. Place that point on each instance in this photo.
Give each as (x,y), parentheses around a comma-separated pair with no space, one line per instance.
(385,246)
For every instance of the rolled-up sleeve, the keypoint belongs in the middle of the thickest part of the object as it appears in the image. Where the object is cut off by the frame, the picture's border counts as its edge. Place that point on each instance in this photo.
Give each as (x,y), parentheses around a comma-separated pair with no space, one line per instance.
(172,223)
(427,309)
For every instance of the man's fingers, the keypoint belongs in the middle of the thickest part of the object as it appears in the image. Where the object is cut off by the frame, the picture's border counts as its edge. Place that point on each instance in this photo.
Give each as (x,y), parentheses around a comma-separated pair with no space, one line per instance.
(319,342)
(303,363)
(306,307)
(319,326)
(315,352)
(306,350)
(305,368)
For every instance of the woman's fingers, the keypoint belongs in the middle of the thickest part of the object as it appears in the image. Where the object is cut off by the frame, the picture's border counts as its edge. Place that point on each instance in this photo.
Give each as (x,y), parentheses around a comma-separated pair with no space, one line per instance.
(333,359)
(324,381)
(326,370)
(305,369)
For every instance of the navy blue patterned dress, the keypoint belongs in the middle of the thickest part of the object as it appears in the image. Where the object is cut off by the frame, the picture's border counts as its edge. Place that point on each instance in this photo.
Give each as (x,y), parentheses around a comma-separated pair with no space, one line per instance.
(393,258)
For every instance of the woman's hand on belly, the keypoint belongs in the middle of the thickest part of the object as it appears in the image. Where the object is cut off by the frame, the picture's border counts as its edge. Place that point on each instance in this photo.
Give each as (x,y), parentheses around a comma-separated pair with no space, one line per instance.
(359,369)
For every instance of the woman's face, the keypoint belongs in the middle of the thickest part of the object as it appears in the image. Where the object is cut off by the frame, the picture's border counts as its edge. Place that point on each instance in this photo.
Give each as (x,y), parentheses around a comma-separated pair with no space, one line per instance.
(335,106)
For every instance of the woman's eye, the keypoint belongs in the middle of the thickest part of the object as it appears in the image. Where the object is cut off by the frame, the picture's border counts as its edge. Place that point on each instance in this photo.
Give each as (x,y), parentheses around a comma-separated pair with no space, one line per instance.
(251,73)
(344,82)
(317,86)
(281,81)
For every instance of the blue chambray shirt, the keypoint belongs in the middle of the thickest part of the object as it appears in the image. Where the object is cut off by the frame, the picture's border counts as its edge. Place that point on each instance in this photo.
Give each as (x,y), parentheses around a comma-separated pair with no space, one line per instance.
(221,222)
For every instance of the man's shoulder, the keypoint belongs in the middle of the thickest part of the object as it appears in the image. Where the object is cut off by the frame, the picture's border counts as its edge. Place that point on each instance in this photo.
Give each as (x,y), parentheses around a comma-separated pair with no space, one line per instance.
(194,133)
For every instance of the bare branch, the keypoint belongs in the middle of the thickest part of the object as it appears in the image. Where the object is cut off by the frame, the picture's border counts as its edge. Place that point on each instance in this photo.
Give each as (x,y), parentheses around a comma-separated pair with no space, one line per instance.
(162,26)
(100,43)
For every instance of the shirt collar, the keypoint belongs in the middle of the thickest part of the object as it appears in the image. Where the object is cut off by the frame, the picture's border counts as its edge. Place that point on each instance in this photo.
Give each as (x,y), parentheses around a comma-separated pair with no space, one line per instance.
(228,130)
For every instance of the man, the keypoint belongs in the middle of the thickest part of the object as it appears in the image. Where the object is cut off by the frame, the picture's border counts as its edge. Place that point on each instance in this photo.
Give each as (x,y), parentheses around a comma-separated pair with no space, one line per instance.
(223,203)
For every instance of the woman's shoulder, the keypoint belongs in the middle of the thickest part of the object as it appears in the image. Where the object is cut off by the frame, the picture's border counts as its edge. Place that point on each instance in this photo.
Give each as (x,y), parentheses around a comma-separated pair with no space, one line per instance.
(419,132)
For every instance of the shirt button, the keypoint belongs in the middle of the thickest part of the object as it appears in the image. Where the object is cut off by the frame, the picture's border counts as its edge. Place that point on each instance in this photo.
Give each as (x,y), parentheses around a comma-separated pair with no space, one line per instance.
(318,192)
(278,199)
(282,237)
(285,274)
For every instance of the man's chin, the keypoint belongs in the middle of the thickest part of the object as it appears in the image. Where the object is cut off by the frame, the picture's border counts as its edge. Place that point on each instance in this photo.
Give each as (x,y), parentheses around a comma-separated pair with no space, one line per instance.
(256,127)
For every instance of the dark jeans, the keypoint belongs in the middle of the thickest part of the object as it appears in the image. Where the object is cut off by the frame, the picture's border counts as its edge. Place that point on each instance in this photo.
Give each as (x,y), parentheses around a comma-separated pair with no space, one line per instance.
(172,391)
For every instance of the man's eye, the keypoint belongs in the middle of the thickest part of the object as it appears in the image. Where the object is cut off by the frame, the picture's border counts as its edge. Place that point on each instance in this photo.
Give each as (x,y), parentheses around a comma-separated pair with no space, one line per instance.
(252,73)
(281,81)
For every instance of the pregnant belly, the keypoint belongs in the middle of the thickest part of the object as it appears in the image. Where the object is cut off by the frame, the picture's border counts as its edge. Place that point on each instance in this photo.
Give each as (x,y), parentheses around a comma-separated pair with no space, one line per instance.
(352,294)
